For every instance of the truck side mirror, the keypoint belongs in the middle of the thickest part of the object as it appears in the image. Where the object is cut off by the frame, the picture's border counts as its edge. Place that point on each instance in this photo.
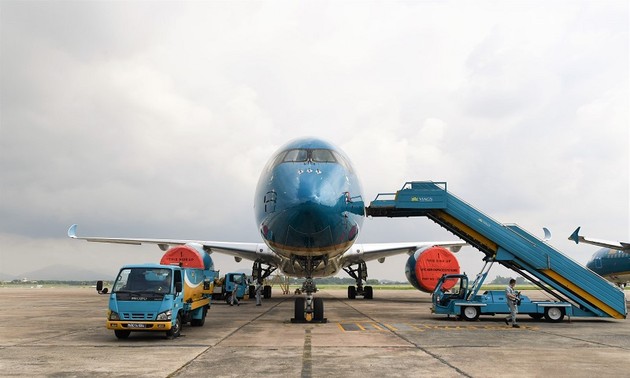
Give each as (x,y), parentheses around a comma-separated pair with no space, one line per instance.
(178,287)
(99,288)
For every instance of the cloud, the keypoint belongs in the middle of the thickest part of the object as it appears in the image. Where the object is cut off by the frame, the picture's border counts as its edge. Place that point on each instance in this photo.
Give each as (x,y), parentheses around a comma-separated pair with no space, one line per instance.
(154,119)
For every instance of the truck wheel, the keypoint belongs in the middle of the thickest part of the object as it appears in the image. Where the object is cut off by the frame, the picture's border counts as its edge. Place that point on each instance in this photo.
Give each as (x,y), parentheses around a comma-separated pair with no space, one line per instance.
(470,313)
(554,314)
(200,322)
(122,333)
(176,329)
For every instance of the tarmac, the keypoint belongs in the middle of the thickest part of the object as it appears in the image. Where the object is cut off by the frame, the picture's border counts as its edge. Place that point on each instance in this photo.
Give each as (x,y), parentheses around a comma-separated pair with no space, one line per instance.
(60,332)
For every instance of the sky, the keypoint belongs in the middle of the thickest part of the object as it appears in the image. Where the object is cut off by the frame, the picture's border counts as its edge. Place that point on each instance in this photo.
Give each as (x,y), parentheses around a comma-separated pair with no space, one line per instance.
(154,119)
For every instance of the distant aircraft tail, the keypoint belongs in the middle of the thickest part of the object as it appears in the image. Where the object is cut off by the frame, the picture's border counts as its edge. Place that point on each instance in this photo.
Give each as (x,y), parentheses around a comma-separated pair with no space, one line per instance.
(619,246)
(575,237)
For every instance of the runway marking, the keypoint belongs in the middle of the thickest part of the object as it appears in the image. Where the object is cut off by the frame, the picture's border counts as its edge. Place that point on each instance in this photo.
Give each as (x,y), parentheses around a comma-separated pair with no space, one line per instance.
(390,327)
(395,327)
(349,327)
(307,357)
(371,326)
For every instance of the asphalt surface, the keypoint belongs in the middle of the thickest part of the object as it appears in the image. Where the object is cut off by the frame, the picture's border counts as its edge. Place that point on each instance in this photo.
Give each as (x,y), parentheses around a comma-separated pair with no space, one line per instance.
(60,332)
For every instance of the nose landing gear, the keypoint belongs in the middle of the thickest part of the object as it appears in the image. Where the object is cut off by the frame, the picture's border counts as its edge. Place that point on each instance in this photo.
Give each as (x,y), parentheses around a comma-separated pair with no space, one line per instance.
(309,309)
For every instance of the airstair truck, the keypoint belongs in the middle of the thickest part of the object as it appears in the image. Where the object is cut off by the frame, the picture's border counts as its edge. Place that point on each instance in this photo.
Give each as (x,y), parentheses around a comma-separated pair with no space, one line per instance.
(587,293)
(162,297)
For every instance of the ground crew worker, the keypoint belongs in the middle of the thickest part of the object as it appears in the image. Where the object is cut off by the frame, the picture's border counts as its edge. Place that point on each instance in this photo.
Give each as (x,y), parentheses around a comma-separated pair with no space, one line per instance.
(233,297)
(511,296)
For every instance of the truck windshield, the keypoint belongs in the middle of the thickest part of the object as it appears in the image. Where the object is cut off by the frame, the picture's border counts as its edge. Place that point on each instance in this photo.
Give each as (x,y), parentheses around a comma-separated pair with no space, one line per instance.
(144,280)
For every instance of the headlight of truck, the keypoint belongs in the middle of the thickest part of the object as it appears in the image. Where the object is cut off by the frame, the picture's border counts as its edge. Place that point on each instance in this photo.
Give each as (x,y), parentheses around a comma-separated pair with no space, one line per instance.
(166,315)
(113,316)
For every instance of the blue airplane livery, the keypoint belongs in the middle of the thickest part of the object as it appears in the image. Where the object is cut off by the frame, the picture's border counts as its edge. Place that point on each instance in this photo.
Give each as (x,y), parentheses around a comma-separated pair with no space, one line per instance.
(309,210)
(611,262)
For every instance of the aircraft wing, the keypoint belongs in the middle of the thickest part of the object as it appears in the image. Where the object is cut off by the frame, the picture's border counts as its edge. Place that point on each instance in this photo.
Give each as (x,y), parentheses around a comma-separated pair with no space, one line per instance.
(621,246)
(249,251)
(379,251)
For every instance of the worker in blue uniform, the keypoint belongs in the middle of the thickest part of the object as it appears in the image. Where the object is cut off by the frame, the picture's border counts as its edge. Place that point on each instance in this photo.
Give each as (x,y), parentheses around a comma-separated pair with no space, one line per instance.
(511,296)
(233,297)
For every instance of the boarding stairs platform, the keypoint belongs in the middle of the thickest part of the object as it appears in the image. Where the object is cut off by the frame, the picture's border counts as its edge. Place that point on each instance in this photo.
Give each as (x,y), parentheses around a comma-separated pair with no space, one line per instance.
(507,244)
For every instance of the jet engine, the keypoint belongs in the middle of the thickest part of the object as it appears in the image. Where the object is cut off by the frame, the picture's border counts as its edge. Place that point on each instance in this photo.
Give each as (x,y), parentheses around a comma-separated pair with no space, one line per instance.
(425,267)
(190,255)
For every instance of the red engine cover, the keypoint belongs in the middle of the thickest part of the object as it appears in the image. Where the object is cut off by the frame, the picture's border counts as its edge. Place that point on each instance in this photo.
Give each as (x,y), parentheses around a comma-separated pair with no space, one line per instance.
(185,255)
(432,264)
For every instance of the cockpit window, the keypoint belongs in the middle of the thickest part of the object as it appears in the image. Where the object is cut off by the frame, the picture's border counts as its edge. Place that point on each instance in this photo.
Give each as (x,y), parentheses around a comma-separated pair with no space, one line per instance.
(296,156)
(316,155)
(341,160)
(322,156)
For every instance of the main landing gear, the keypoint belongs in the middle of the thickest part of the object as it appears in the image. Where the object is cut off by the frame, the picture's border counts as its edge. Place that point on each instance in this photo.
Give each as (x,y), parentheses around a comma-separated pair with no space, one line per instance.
(259,273)
(359,274)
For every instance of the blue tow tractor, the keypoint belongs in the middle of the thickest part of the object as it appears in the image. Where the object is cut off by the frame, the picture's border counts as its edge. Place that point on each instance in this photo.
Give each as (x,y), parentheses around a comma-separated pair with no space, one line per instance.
(452,296)
(224,286)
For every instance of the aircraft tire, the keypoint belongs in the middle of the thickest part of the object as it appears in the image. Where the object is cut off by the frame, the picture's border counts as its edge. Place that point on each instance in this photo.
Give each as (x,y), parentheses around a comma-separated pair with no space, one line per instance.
(369,293)
(299,309)
(318,307)
(122,333)
(252,291)
(352,292)
(470,313)
(554,314)
(267,292)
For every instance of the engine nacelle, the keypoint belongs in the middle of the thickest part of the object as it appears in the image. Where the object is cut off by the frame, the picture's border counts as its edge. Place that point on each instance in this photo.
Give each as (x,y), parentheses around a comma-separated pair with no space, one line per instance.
(425,267)
(188,256)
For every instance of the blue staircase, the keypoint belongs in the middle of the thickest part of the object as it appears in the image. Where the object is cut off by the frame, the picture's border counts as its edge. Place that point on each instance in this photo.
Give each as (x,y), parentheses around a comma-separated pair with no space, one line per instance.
(508,244)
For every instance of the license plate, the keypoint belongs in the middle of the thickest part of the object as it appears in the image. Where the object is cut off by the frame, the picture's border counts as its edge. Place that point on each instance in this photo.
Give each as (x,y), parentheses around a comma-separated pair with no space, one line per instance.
(136,325)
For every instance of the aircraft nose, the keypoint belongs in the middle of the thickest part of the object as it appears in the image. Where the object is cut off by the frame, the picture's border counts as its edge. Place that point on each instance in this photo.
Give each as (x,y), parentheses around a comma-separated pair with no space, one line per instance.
(314,190)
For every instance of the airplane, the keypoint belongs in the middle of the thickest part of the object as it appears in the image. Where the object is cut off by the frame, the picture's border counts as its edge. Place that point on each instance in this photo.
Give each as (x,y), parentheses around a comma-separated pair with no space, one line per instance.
(611,262)
(309,210)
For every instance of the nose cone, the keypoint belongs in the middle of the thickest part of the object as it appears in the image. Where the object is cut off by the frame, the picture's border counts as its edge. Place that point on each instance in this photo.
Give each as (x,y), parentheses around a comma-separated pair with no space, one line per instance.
(315,202)
(314,187)
(311,210)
